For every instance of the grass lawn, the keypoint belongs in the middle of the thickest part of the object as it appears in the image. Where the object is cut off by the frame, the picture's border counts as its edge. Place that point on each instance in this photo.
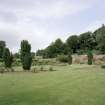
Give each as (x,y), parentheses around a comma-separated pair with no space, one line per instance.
(69,85)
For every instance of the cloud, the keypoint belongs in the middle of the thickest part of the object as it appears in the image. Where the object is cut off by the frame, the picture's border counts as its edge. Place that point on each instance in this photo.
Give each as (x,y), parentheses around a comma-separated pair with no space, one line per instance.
(39,21)
(45,8)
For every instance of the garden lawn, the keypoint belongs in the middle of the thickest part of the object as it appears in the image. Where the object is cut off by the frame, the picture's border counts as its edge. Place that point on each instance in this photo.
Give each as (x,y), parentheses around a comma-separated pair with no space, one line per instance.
(68,85)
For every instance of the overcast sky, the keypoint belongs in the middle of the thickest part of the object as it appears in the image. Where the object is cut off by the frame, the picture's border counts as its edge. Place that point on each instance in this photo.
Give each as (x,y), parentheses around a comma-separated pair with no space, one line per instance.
(42,21)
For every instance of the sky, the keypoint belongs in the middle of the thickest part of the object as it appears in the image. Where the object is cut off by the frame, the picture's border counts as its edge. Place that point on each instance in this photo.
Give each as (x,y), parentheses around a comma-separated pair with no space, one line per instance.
(42,21)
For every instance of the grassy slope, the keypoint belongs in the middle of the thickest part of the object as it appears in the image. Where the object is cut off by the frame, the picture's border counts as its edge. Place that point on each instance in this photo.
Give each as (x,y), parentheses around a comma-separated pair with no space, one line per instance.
(70,85)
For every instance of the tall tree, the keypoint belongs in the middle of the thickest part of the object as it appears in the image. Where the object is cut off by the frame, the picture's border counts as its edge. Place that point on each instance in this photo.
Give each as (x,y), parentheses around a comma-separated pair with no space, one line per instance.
(73,43)
(58,46)
(26,57)
(8,58)
(86,40)
(2,46)
(100,38)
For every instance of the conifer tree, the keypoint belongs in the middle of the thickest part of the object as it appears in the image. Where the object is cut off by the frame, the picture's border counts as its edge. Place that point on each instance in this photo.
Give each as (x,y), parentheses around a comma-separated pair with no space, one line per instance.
(7,58)
(26,57)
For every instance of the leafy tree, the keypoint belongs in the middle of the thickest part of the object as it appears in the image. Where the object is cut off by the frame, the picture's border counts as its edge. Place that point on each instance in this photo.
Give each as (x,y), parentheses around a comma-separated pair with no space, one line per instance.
(8,58)
(26,57)
(100,38)
(73,43)
(2,46)
(87,40)
(54,49)
(58,46)
(90,57)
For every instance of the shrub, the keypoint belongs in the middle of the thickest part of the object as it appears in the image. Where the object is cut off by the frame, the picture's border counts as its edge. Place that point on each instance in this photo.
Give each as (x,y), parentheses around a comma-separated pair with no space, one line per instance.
(103,66)
(90,57)
(62,58)
(51,69)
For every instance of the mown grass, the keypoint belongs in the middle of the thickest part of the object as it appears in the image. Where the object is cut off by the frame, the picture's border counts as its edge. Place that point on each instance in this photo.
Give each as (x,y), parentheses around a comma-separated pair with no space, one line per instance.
(69,85)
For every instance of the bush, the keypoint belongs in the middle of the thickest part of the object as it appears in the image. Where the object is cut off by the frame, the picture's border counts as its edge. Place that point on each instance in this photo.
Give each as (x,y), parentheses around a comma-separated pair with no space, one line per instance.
(62,58)
(90,57)
(17,62)
(51,69)
(103,66)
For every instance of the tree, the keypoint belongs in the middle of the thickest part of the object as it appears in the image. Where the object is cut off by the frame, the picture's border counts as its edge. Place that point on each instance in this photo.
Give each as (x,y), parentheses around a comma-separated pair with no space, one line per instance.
(87,40)
(100,38)
(90,57)
(2,46)
(27,61)
(58,46)
(54,49)
(26,57)
(73,43)
(7,58)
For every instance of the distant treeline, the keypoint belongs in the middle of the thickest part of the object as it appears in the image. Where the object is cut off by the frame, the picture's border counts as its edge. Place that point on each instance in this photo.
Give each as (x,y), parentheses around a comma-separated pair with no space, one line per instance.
(76,44)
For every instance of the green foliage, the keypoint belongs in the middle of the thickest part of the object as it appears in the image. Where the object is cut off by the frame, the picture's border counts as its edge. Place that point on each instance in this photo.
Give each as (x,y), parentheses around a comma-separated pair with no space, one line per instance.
(70,58)
(2,46)
(51,69)
(27,61)
(72,43)
(77,44)
(90,57)
(103,66)
(52,50)
(100,38)
(8,58)
(62,58)
(26,57)
(86,40)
